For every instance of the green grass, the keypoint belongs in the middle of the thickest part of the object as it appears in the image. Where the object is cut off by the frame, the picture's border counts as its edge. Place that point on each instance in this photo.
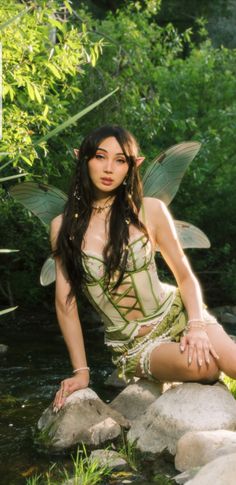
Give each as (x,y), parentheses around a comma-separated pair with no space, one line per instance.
(35,480)
(85,472)
(230,383)
(129,453)
(43,437)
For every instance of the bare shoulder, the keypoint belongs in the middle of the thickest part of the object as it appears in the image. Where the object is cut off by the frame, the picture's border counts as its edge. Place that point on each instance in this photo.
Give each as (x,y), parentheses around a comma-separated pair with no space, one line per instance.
(55,228)
(56,223)
(153,207)
(157,216)
(152,214)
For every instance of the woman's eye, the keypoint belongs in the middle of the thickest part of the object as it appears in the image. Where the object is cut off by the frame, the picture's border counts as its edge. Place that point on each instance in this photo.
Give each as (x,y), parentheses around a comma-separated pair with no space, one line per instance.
(121,160)
(99,156)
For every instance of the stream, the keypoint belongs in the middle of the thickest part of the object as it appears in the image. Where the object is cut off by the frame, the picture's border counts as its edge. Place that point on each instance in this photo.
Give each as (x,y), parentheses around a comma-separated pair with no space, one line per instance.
(31,370)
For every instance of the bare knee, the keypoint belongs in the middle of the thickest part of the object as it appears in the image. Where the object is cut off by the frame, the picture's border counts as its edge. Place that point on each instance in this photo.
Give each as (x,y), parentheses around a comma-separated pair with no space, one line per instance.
(227,364)
(205,374)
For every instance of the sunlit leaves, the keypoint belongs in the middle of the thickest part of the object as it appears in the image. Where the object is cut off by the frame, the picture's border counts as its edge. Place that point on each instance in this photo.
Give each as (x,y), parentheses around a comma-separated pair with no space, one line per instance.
(73,119)
(11,20)
(54,69)
(43,61)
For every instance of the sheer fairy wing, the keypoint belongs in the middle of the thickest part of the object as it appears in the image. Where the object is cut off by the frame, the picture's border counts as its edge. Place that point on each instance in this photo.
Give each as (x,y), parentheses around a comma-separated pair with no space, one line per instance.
(44,201)
(164,174)
(48,273)
(190,236)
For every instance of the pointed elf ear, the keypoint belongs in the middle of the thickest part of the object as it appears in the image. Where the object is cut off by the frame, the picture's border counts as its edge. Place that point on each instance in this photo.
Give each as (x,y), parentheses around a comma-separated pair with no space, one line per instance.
(139,160)
(76,152)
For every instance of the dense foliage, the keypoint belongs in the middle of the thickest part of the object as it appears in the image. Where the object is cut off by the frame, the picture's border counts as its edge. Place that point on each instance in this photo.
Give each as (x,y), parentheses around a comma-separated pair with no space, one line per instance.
(44,57)
(164,97)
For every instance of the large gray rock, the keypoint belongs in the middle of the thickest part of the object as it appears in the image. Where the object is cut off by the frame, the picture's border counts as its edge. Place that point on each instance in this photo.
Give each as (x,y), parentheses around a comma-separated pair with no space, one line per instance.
(221,471)
(135,398)
(187,407)
(83,419)
(196,448)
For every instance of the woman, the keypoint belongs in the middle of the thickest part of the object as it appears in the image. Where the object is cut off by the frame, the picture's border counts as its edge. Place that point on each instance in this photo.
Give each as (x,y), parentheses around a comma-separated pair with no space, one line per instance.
(104,244)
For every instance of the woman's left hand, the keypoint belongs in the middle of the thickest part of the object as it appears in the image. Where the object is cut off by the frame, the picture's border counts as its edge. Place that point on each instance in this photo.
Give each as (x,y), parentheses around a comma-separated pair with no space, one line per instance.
(197,341)
(69,385)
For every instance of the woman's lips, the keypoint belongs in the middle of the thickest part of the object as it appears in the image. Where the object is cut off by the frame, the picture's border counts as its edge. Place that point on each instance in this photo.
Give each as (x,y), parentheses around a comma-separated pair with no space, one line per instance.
(106,181)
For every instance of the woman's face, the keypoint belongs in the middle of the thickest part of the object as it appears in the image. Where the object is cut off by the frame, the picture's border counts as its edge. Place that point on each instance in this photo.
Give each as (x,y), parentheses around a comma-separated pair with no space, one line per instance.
(108,168)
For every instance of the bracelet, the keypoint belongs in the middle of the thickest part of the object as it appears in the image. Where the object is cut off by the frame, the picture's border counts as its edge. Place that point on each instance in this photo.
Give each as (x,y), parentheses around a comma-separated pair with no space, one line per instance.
(196,325)
(195,320)
(81,368)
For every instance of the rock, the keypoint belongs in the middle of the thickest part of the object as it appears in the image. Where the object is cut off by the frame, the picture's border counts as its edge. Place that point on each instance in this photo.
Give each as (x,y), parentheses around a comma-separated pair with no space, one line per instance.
(135,398)
(221,471)
(169,385)
(83,419)
(186,476)
(109,458)
(228,318)
(115,381)
(200,447)
(226,314)
(3,348)
(187,407)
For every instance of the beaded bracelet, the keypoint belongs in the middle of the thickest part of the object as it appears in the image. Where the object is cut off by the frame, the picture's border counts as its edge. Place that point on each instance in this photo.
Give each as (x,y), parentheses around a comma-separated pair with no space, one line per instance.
(81,368)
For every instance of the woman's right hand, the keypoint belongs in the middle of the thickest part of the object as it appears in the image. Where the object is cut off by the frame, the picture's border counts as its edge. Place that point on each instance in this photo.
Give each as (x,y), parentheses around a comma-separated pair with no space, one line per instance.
(78,381)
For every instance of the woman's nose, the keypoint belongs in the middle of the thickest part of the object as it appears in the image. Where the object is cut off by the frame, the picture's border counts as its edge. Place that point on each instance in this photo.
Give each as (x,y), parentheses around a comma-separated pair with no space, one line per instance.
(108,166)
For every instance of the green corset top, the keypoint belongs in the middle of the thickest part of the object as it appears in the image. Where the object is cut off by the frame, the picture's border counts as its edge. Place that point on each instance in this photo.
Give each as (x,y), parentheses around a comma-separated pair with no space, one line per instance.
(140,291)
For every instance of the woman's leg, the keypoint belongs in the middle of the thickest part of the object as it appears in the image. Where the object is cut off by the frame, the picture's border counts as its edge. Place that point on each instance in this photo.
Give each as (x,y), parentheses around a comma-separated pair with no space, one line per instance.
(166,362)
(225,347)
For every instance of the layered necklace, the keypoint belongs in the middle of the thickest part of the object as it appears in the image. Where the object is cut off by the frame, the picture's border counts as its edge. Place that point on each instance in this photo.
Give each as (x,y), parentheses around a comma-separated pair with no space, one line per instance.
(101,208)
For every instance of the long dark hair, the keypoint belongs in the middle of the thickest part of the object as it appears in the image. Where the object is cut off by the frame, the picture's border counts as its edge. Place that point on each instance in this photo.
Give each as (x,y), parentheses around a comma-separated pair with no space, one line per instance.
(78,210)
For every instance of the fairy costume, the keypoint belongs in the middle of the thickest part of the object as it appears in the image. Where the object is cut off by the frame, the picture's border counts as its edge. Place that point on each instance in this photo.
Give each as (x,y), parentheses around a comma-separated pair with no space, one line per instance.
(160,305)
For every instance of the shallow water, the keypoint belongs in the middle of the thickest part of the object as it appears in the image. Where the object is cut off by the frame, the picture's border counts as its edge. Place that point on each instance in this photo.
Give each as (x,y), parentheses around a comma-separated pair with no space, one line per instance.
(31,371)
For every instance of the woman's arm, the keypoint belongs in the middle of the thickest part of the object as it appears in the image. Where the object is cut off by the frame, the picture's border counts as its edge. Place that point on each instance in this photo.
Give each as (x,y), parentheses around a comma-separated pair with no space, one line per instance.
(165,236)
(68,319)
(171,250)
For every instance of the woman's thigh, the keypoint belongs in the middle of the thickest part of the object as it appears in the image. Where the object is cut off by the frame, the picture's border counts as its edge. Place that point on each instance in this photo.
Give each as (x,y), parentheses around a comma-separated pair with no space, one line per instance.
(167,363)
(225,347)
